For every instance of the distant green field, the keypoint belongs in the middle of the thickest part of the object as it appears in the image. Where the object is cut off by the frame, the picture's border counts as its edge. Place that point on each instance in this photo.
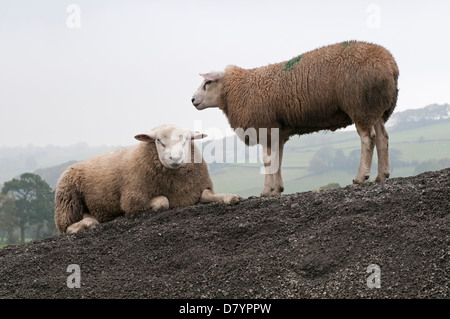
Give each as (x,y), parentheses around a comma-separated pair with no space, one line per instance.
(425,143)
(419,144)
(430,132)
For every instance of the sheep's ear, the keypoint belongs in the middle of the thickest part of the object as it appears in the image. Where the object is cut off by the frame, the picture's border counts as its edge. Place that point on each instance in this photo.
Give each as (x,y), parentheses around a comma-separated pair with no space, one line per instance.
(197,135)
(213,76)
(147,137)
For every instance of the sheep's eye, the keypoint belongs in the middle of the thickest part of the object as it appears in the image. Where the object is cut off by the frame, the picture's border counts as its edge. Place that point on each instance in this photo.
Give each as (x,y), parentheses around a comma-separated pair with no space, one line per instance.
(204,86)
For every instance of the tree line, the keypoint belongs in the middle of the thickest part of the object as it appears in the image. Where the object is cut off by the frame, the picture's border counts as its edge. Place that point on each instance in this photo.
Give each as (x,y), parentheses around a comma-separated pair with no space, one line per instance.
(26,209)
(329,158)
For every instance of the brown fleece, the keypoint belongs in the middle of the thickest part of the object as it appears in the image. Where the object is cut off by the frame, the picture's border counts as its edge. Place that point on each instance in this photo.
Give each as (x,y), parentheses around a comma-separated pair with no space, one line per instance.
(123,183)
(324,89)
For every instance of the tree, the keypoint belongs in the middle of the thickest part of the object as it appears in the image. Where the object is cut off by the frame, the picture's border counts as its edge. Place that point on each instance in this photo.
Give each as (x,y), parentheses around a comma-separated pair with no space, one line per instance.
(7,219)
(322,160)
(395,159)
(317,165)
(33,201)
(353,160)
(340,160)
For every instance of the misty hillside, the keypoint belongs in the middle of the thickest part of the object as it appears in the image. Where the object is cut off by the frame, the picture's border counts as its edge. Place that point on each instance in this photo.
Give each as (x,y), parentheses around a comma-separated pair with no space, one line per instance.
(52,174)
(384,240)
(17,160)
(419,117)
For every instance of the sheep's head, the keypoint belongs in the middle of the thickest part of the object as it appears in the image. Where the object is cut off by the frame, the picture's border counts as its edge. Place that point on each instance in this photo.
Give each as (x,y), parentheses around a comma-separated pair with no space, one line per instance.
(208,94)
(172,144)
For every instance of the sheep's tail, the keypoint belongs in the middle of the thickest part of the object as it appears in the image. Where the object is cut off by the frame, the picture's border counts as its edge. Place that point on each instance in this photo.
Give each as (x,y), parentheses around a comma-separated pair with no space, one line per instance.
(69,203)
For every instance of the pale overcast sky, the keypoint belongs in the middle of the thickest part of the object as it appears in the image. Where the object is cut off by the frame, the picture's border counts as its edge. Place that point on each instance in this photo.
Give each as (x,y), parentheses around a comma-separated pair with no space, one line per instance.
(118,68)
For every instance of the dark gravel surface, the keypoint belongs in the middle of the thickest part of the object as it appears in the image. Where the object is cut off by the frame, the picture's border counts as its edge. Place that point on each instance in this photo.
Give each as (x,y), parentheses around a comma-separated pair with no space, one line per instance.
(305,245)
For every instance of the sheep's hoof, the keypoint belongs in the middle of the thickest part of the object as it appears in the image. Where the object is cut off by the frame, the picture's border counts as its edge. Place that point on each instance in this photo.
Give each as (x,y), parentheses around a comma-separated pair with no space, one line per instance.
(382,177)
(272,191)
(232,199)
(85,223)
(360,181)
(160,203)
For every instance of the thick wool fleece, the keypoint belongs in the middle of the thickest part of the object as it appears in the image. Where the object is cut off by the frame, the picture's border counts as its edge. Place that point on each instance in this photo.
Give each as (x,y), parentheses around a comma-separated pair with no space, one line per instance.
(124,182)
(324,89)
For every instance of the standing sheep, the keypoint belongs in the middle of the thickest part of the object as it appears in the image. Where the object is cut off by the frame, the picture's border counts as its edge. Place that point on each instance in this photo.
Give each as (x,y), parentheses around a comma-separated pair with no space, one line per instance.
(324,89)
(165,170)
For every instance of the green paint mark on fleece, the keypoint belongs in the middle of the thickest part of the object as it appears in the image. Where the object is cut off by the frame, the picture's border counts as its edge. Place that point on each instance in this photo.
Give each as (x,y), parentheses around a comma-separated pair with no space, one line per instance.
(348,43)
(289,64)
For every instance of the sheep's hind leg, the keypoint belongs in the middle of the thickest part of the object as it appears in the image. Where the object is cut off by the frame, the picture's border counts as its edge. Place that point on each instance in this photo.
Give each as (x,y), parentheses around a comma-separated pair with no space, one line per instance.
(367,145)
(273,181)
(209,196)
(382,144)
(87,222)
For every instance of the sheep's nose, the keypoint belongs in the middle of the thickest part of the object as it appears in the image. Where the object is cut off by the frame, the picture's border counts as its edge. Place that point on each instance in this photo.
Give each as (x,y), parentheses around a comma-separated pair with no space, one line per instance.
(176,160)
(193,100)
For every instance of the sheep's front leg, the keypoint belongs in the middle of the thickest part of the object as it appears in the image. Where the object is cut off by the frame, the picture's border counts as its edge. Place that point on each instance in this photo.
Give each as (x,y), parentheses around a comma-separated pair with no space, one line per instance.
(273,182)
(134,203)
(159,203)
(209,196)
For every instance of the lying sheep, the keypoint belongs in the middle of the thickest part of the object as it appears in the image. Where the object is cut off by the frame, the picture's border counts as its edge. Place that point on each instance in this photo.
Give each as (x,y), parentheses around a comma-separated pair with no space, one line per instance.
(165,170)
(324,89)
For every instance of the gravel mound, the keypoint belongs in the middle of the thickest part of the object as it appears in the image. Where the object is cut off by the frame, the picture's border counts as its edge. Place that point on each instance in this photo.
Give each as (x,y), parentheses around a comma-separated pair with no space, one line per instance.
(388,240)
